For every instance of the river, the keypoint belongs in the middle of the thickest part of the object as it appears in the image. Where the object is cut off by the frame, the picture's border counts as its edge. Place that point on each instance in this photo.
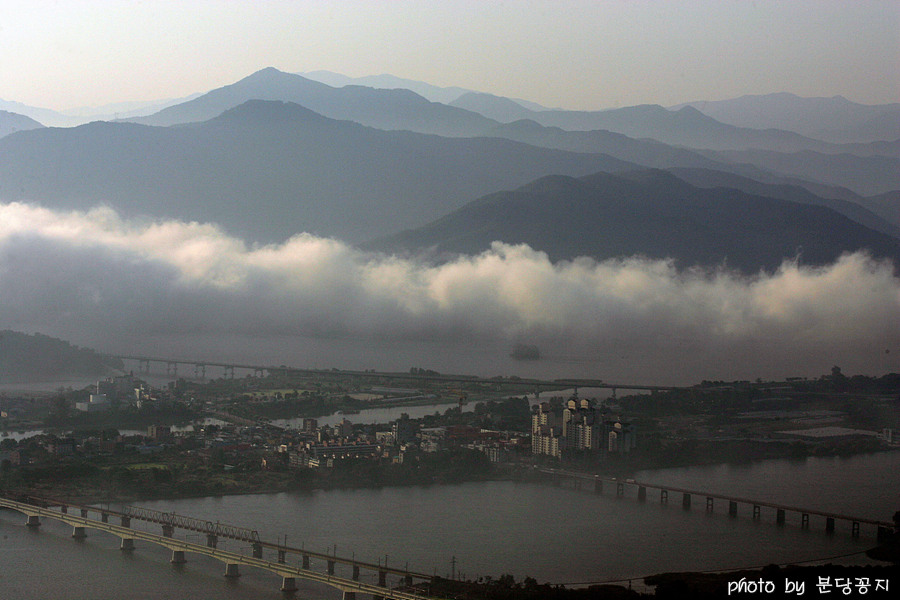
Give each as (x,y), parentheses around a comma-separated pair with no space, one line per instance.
(558,535)
(372,416)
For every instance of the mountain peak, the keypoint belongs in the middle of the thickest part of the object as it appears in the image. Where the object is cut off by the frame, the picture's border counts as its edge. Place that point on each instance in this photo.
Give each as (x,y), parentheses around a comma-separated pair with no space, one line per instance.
(266,72)
(267,112)
(271,81)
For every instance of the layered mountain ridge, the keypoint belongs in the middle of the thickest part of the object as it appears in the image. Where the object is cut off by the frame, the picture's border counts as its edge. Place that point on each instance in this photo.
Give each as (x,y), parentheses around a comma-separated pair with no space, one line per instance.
(275,154)
(649,213)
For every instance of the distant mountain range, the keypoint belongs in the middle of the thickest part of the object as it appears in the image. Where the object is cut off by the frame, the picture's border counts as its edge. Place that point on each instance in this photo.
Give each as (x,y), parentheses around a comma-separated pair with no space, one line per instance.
(648,213)
(275,154)
(87,114)
(852,209)
(833,119)
(477,114)
(686,126)
(444,95)
(867,175)
(268,170)
(432,93)
(12,122)
(389,109)
(886,206)
(402,109)
(836,119)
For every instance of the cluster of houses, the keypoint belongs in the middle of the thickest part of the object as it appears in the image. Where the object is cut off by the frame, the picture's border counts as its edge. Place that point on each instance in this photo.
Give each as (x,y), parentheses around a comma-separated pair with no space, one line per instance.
(324,447)
(578,427)
(575,427)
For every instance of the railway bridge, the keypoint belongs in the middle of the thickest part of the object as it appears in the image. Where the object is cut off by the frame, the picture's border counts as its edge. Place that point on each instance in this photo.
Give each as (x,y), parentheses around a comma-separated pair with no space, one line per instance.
(80,518)
(882,529)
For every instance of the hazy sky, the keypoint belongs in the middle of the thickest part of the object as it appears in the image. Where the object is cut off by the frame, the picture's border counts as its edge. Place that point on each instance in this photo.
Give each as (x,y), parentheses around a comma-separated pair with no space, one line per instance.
(574,54)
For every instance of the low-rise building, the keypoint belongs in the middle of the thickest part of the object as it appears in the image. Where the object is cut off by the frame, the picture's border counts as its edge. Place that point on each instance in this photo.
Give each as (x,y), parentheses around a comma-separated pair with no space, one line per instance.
(96,403)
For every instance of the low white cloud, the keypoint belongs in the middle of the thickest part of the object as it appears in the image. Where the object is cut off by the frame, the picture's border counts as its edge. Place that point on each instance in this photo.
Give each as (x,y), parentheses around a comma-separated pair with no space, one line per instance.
(94,278)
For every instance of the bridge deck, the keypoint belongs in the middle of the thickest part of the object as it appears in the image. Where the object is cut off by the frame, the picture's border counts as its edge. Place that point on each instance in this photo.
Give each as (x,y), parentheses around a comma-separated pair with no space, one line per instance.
(717,496)
(229,558)
(556,383)
(225,531)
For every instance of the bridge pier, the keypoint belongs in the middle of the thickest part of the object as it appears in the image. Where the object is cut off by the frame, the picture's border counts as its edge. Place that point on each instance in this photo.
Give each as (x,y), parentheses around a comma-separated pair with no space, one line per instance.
(576,485)
(288,584)
(168,530)
(779,516)
(829,524)
(178,557)
(884,534)
(282,557)
(125,521)
(172,369)
(732,508)
(143,366)
(642,494)
(407,579)
(64,509)
(212,540)
(127,545)
(756,512)
(686,501)
(104,517)
(330,567)
(78,533)
(305,561)
(854,531)
(84,513)
(228,372)
(804,521)
(620,489)
(709,503)
(231,570)
(598,486)
(355,573)
(33,521)
(348,596)
(257,551)
(663,496)
(200,371)
(382,578)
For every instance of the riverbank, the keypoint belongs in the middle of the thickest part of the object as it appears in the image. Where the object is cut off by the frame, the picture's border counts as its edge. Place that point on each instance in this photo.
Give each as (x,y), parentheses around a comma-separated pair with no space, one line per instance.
(172,477)
(697,453)
(559,533)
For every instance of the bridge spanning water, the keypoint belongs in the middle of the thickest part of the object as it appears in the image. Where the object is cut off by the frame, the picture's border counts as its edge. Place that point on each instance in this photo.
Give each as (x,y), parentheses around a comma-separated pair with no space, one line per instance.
(37,508)
(199,368)
(881,528)
(296,564)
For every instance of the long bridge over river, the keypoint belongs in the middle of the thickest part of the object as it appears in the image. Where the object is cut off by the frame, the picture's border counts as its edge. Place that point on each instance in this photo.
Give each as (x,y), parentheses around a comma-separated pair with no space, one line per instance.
(199,370)
(292,563)
(881,528)
(84,517)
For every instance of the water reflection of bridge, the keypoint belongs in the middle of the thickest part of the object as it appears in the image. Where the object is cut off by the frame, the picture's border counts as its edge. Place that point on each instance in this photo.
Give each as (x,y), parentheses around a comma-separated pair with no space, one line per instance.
(882,528)
(36,508)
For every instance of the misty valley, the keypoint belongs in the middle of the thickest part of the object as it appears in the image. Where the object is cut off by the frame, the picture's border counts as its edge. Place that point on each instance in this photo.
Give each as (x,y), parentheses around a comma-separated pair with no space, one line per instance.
(382,338)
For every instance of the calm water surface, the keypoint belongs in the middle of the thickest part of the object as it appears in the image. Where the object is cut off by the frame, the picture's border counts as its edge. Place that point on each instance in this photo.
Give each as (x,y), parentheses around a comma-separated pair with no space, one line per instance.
(491,528)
